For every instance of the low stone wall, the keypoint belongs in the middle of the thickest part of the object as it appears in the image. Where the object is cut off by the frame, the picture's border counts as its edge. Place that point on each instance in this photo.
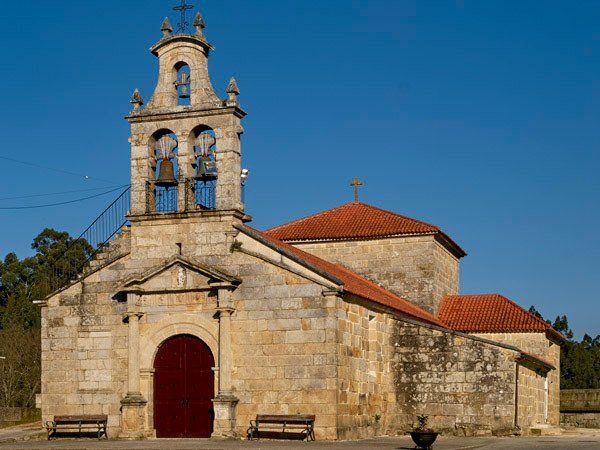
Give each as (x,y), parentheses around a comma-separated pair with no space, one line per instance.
(580,400)
(580,408)
(580,420)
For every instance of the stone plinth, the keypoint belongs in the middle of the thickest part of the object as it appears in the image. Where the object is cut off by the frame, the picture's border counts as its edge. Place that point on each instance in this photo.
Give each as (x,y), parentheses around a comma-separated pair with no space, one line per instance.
(224,424)
(133,416)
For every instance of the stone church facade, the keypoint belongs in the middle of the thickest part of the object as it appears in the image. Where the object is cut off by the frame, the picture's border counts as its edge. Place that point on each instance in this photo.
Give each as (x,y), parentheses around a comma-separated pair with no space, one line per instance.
(191,322)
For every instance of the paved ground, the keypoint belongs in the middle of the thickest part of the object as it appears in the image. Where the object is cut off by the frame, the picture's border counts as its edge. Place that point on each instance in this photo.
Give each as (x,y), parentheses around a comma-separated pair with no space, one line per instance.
(583,439)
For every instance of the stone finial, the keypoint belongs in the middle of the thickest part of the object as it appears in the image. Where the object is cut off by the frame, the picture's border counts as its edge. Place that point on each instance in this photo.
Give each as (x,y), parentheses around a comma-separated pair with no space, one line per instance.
(232,89)
(199,24)
(166,27)
(136,100)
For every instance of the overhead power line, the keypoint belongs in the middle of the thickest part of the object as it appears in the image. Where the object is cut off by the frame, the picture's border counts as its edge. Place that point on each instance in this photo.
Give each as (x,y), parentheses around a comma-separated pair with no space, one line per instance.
(54,169)
(48,194)
(62,203)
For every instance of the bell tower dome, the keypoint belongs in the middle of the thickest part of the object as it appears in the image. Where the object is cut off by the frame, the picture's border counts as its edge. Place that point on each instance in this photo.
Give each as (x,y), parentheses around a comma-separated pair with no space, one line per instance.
(185,143)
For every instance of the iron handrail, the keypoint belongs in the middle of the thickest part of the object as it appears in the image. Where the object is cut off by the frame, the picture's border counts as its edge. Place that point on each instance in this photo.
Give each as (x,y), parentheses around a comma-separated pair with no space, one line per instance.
(92,240)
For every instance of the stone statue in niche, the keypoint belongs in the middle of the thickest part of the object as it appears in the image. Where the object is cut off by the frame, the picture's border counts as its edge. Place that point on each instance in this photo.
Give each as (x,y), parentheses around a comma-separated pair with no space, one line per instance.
(181,277)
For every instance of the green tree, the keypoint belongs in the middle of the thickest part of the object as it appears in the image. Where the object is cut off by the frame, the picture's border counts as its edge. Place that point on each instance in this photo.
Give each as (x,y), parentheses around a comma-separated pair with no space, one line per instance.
(536,313)
(561,324)
(58,259)
(579,361)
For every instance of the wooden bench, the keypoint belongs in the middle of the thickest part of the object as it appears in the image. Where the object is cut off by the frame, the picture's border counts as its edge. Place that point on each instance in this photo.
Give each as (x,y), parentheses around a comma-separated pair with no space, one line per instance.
(300,426)
(78,424)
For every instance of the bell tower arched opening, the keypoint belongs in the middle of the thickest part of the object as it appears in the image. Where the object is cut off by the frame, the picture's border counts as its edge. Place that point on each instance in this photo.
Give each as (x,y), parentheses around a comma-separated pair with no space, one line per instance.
(204,143)
(163,185)
(184,388)
(183,83)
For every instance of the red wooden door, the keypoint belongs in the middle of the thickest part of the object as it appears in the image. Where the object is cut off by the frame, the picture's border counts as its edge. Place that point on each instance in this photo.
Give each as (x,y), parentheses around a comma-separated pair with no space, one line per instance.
(184,387)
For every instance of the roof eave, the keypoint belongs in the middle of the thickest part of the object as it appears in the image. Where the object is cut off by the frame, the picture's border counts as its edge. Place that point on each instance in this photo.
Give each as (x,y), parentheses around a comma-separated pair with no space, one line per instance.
(535,361)
(450,245)
(555,336)
(439,236)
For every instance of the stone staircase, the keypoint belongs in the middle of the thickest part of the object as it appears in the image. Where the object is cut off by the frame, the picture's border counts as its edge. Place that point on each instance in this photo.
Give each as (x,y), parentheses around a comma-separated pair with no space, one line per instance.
(116,248)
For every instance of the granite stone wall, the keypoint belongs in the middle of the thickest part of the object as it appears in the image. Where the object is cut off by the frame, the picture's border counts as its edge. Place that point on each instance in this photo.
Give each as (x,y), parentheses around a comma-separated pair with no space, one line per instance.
(391,370)
(465,386)
(417,268)
(366,405)
(532,385)
(283,341)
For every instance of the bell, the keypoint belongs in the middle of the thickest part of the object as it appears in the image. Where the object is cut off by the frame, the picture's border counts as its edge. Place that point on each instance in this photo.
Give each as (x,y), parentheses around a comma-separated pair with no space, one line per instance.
(166,174)
(183,85)
(184,92)
(207,169)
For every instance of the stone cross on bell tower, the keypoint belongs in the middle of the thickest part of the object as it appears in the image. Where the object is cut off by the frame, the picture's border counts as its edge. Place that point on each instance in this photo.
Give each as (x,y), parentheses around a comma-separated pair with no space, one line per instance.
(185,142)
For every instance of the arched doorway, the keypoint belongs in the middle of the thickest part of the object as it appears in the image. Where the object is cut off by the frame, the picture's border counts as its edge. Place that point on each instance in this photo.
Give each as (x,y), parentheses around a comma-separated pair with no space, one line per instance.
(184,388)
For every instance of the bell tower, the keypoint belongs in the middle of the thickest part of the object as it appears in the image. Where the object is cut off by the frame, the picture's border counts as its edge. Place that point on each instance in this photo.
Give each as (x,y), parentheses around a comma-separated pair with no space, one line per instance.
(185,142)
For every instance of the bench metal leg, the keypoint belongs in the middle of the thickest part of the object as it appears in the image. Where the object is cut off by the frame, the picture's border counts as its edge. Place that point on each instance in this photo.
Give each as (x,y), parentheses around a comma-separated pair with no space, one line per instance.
(311,433)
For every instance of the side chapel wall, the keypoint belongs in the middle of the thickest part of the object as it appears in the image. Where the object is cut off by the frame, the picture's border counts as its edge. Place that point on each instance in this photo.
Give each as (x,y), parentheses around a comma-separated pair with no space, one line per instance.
(391,370)
(531,386)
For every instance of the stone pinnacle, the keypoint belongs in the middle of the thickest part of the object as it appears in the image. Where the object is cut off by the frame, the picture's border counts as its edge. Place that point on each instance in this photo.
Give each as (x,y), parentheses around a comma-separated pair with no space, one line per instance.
(136,99)
(233,88)
(166,27)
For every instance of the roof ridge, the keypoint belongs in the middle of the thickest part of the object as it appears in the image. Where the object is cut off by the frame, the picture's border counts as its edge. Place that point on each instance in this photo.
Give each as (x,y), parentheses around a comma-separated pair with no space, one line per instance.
(310,216)
(367,205)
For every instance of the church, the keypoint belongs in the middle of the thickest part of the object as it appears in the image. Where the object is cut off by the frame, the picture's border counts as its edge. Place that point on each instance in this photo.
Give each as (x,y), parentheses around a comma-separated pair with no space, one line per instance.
(191,322)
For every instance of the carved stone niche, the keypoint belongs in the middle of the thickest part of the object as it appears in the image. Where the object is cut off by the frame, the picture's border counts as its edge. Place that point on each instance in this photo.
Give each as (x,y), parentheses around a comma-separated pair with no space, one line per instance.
(178,281)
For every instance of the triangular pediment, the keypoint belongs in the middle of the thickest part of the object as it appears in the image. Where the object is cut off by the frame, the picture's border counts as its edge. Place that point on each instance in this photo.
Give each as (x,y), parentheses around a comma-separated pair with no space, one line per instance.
(179,274)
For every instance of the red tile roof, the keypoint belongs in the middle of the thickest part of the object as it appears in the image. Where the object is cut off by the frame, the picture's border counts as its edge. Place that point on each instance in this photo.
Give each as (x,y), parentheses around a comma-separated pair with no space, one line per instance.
(356,220)
(490,313)
(351,282)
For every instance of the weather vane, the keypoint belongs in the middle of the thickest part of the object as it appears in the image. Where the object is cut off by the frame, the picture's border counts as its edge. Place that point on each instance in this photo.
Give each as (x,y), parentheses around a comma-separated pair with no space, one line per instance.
(183,24)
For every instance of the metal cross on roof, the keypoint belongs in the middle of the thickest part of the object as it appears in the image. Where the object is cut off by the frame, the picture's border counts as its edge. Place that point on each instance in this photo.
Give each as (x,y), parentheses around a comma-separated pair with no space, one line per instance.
(356,184)
(183,24)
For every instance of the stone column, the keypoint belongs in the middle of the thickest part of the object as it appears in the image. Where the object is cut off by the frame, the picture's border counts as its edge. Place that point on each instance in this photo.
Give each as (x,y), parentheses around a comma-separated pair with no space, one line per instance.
(133,406)
(228,160)
(225,402)
(141,171)
(185,158)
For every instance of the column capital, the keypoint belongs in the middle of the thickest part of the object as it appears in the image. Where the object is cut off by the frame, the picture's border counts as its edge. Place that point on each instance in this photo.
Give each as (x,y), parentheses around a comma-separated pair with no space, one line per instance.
(129,314)
(225,310)
(226,398)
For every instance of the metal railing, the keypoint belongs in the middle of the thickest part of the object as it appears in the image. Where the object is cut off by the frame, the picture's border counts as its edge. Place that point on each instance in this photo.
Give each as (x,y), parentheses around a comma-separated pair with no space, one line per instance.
(68,265)
(166,199)
(199,195)
(204,194)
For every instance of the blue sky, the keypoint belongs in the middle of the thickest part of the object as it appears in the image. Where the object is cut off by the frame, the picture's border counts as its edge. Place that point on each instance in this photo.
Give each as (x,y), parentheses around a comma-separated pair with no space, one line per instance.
(479,117)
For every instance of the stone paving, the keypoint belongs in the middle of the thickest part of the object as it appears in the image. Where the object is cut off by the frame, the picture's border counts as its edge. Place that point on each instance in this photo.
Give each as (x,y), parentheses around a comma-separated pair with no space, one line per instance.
(586,440)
